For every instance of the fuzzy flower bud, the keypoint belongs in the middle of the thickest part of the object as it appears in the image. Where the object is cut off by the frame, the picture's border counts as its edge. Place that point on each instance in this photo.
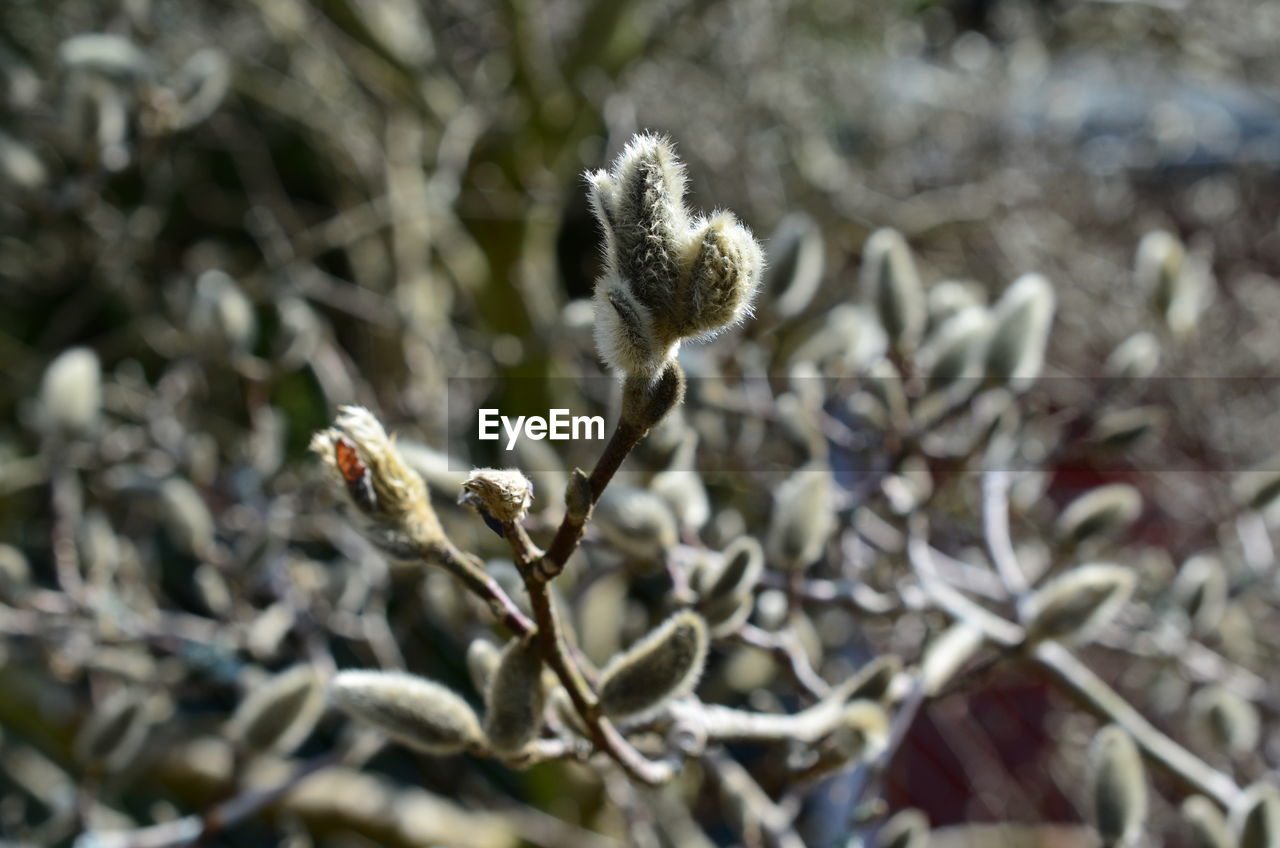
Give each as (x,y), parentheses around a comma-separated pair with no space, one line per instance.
(365,463)
(412,710)
(795,264)
(1255,817)
(1074,604)
(803,519)
(1206,826)
(1022,318)
(890,283)
(115,732)
(665,664)
(71,392)
(1104,511)
(1161,272)
(280,714)
(515,699)
(667,277)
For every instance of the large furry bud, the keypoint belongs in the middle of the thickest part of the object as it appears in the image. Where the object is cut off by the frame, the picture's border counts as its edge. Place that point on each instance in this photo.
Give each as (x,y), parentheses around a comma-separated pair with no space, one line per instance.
(412,710)
(665,664)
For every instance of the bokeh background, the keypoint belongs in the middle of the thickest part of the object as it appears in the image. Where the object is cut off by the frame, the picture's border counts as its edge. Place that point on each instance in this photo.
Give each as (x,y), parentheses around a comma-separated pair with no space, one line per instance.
(254,212)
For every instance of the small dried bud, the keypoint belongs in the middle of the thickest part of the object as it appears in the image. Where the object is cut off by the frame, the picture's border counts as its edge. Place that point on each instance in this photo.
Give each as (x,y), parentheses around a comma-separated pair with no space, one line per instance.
(1206,826)
(636,522)
(646,401)
(115,731)
(365,463)
(504,495)
(1201,590)
(907,829)
(414,711)
(515,700)
(188,520)
(803,520)
(71,392)
(1119,787)
(1255,817)
(664,665)
(891,284)
(482,661)
(279,714)
(666,277)
(1161,271)
(1021,322)
(578,499)
(1102,512)
(1224,720)
(1135,358)
(794,273)
(1074,604)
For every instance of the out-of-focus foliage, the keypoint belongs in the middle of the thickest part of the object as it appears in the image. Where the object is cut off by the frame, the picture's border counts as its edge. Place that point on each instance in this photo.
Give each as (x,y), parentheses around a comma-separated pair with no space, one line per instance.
(991,465)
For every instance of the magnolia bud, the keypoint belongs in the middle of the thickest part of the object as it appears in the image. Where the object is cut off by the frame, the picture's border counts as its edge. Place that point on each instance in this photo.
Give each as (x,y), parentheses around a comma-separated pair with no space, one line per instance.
(279,714)
(664,665)
(1122,429)
(686,495)
(482,661)
(502,495)
(1101,512)
(1135,358)
(414,711)
(1074,604)
(666,278)
(514,700)
(1206,826)
(1119,787)
(115,731)
(952,353)
(1201,590)
(1255,817)
(794,273)
(891,284)
(188,520)
(1021,322)
(1161,271)
(803,520)
(71,392)
(1225,720)
(907,829)
(223,314)
(636,522)
(646,401)
(1259,489)
(727,593)
(578,499)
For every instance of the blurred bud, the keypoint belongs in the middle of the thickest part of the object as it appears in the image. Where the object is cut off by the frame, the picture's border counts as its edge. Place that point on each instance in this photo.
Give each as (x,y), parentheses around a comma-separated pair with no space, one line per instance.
(223,314)
(15,574)
(212,588)
(862,731)
(727,593)
(666,277)
(951,354)
(849,338)
(414,711)
(1161,272)
(71,392)
(482,661)
(1122,429)
(268,630)
(1205,824)
(803,519)
(577,496)
(115,731)
(19,166)
(1201,590)
(890,283)
(504,495)
(364,462)
(1259,490)
(1074,604)
(1135,358)
(1225,721)
(947,653)
(686,495)
(106,55)
(1119,787)
(278,715)
(664,665)
(794,272)
(1255,817)
(646,401)
(187,518)
(636,522)
(1105,511)
(947,298)
(1020,332)
(201,84)
(515,698)
(906,829)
